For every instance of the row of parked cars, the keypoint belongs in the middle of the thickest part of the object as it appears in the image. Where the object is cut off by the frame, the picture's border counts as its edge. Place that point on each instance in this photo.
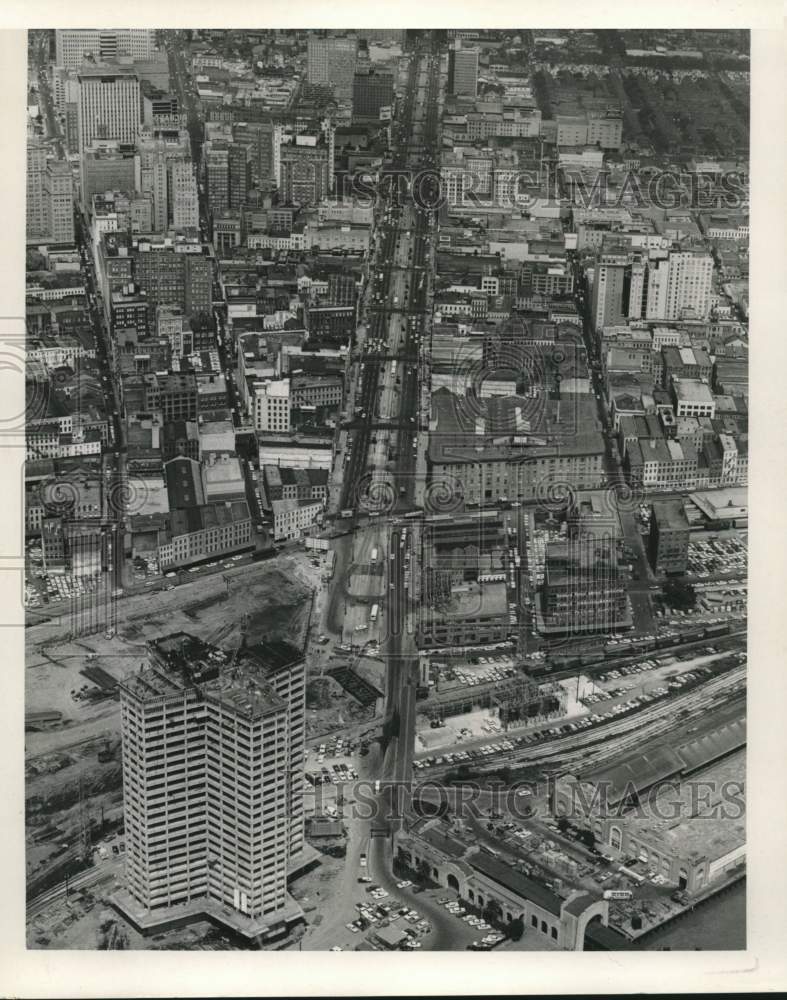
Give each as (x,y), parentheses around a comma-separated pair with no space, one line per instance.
(490,673)
(489,940)
(463,756)
(336,747)
(340,772)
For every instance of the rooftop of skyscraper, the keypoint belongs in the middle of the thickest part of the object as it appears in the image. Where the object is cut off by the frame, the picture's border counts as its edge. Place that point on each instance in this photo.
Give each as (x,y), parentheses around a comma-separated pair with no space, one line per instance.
(180,661)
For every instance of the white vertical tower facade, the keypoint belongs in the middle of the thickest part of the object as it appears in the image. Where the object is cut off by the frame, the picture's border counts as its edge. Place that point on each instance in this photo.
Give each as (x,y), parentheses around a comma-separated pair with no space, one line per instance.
(213,783)
(658,280)
(59,191)
(36,200)
(247,768)
(184,196)
(163,731)
(690,273)
(109,105)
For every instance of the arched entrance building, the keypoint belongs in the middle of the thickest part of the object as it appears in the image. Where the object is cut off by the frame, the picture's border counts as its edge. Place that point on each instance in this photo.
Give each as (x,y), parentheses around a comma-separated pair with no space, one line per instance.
(481,879)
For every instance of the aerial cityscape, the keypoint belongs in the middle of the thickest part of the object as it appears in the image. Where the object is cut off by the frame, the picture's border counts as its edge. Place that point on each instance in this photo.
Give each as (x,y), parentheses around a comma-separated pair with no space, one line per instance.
(385,494)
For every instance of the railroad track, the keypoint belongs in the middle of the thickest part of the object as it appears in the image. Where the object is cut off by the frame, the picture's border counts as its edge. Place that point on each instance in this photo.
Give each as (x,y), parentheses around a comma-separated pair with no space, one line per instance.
(609,739)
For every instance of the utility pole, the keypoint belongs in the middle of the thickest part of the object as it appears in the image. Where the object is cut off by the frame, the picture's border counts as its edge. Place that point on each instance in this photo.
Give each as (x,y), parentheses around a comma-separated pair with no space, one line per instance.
(84,825)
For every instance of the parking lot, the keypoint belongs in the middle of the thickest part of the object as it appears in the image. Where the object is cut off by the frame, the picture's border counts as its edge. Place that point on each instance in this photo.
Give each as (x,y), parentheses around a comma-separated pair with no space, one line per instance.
(381,909)
(488,668)
(715,554)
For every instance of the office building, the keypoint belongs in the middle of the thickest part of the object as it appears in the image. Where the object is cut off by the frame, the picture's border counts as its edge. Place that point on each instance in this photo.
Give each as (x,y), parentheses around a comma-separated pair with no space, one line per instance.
(306,170)
(71,123)
(668,542)
(239,166)
(590,128)
(679,286)
(107,166)
(50,198)
(331,60)
(184,195)
(160,149)
(212,763)
(36,198)
(73,47)
(178,398)
(129,310)
(605,129)
(172,278)
(462,71)
(153,176)
(272,406)
(372,91)
(608,303)
(688,294)
(263,140)
(217,172)
(109,105)
(638,288)
(172,324)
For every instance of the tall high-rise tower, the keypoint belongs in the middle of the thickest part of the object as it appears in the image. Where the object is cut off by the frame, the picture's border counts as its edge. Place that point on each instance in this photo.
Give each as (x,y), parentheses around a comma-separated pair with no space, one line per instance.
(213,753)
(109,105)
(36,199)
(463,71)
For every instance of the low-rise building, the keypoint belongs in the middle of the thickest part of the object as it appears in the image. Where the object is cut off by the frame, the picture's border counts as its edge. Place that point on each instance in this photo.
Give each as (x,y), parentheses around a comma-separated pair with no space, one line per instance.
(223,476)
(180,437)
(292,517)
(198,533)
(692,398)
(661,463)
(647,809)
(282,483)
(509,449)
(458,864)
(476,613)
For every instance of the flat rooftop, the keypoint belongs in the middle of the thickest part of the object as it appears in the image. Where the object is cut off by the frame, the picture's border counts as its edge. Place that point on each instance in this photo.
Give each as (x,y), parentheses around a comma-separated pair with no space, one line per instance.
(719,504)
(476,600)
(692,390)
(671,514)
(180,661)
(705,825)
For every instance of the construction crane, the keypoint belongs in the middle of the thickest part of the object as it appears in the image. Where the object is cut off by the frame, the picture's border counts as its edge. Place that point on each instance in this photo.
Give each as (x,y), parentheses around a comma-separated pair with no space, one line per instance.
(244,625)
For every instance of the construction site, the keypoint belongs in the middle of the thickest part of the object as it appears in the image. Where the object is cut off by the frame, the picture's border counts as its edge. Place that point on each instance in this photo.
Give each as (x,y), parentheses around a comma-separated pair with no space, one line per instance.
(73,789)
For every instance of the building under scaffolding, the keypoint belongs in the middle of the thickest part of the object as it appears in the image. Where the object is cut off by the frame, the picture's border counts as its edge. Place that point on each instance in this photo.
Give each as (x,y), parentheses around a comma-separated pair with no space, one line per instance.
(527,700)
(518,698)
